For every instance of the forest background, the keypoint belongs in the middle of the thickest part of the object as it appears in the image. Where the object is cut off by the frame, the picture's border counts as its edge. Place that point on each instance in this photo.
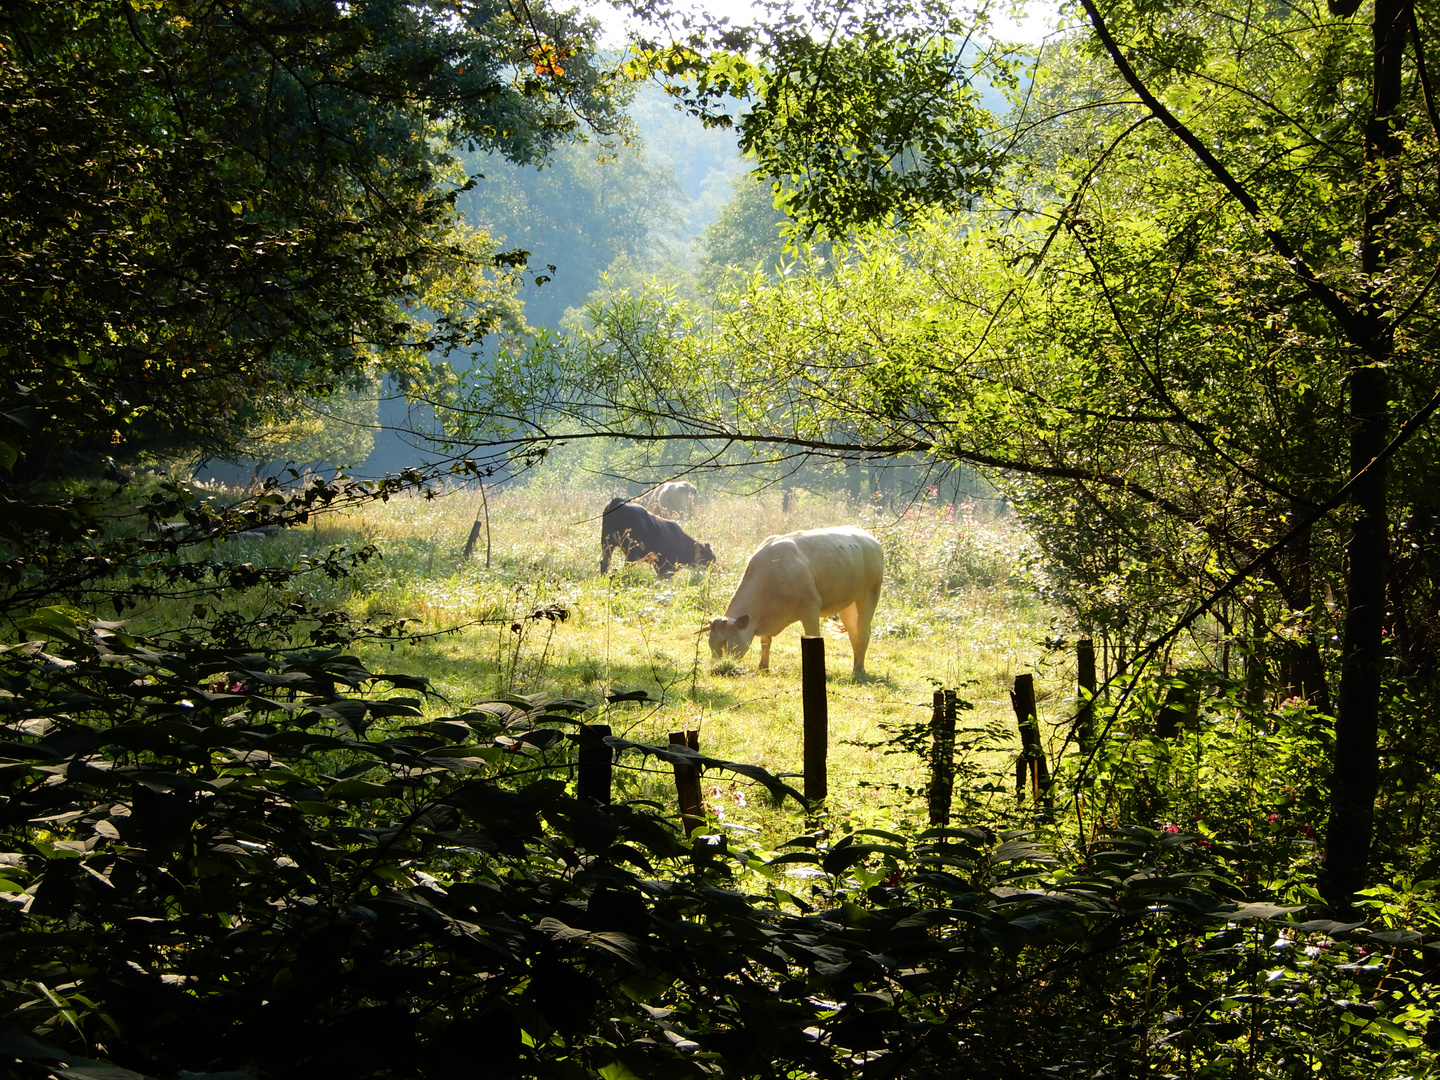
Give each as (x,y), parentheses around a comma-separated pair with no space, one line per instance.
(1172,302)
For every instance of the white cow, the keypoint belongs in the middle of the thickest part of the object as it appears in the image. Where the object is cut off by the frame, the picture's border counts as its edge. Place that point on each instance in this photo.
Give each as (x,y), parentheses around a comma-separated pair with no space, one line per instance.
(676,497)
(800,577)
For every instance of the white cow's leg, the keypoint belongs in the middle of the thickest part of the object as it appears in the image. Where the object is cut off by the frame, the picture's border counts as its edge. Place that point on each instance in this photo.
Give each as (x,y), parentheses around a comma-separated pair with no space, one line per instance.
(850,616)
(764,654)
(864,619)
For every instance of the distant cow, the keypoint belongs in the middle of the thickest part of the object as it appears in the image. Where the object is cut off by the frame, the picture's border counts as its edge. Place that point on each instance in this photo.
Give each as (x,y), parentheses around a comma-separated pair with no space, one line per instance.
(800,577)
(639,534)
(676,498)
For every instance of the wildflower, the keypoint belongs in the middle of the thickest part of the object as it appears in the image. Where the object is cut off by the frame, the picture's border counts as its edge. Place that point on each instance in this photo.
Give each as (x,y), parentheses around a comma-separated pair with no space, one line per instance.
(1172,829)
(1274,819)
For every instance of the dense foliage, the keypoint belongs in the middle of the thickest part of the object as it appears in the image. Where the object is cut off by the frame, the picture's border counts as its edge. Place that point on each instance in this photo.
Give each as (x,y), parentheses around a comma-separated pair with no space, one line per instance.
(253,863)
(214,207)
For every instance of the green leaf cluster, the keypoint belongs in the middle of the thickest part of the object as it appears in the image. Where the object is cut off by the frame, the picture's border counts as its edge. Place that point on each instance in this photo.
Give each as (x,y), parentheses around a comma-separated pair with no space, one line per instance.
(213,211)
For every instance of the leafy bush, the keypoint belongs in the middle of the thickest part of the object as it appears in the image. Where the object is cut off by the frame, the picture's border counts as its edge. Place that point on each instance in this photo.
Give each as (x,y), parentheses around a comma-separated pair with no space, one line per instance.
(269,864)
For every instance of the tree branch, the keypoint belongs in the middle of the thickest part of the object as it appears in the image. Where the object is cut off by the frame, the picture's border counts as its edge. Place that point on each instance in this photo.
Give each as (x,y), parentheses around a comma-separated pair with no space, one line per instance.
(1328,297)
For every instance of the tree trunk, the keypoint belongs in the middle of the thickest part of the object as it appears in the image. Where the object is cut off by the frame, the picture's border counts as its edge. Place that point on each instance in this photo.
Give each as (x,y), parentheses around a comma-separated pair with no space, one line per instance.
(1357,721)
(1303,670)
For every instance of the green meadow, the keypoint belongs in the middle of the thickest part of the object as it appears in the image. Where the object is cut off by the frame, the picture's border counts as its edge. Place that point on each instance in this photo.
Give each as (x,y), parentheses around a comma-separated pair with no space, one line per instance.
(529,613)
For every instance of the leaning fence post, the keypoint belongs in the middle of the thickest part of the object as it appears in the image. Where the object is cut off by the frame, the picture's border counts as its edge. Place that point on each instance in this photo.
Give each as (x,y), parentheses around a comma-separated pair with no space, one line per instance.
(592,781)
(1085,677)
(817,720)
(687,782)
(942,756)
(1032,753)
(475,528)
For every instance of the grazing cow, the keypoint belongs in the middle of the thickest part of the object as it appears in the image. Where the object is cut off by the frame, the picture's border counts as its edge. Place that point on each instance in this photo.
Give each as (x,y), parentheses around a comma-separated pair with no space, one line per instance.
(800,577)
(676,497)
(639,534)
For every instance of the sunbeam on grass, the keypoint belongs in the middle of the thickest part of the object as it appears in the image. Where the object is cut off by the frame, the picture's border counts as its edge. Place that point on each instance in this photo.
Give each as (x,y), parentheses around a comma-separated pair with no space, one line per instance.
(955,612)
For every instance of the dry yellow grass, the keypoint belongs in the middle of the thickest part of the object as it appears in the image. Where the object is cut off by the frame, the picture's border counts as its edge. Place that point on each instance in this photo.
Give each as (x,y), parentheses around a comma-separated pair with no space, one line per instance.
(948,617)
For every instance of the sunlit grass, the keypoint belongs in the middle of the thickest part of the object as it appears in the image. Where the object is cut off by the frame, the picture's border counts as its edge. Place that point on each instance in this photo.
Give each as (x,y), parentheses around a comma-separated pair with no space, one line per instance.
(953,613)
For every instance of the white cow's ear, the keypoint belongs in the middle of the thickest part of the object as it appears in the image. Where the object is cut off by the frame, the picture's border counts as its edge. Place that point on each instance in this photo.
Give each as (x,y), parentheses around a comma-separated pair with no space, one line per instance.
(742,622)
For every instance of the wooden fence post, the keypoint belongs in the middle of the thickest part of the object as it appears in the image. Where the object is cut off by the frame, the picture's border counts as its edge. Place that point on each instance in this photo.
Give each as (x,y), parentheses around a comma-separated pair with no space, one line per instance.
(1032,753)
(942,756)
(1085,677)
(687,782)
(484,512)
(817,720)
(592,781)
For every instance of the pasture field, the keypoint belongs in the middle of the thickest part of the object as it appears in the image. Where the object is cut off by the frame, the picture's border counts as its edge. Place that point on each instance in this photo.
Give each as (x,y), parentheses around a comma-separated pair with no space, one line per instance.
(955,612)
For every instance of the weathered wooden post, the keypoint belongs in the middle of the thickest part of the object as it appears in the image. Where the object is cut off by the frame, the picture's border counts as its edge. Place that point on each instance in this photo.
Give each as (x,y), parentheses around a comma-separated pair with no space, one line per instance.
(817,719)
(687,782)
(1085,677)
(484,512)
(592,780)
(1032,752)
(942,756)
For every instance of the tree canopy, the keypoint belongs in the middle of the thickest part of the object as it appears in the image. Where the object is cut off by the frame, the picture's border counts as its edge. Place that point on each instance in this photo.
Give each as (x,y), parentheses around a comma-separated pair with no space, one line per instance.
(213,207)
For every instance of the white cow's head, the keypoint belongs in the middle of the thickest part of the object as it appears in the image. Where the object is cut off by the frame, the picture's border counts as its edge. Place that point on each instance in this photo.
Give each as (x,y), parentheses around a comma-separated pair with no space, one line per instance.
(730,637)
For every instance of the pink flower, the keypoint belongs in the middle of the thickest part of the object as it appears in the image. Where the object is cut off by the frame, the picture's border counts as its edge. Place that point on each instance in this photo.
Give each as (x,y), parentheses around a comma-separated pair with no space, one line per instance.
(1172,828)
(1274,819)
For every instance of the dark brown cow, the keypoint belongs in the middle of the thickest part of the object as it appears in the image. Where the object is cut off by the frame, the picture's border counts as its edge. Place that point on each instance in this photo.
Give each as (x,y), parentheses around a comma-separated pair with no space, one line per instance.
(639,534)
